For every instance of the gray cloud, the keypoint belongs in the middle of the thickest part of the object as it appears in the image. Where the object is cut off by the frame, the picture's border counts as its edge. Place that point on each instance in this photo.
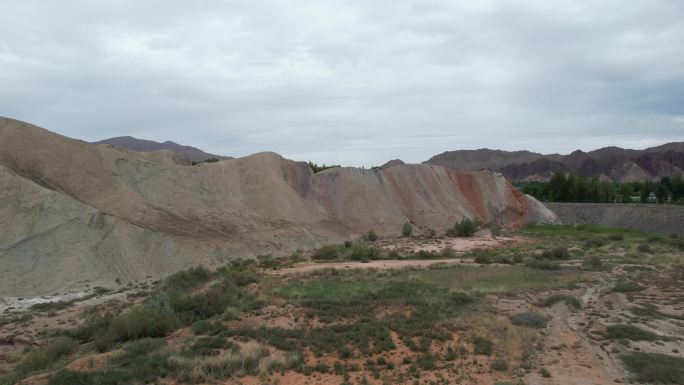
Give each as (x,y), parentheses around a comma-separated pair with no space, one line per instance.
(352,82)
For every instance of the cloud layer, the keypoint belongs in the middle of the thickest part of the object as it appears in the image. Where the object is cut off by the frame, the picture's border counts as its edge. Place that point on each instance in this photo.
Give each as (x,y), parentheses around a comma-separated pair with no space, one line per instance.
(351,82)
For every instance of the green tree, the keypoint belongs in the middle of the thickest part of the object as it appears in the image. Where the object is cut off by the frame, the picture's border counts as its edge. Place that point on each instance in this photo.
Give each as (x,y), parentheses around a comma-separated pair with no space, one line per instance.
(407,229)
(661,192)
(558,188)
(625,191)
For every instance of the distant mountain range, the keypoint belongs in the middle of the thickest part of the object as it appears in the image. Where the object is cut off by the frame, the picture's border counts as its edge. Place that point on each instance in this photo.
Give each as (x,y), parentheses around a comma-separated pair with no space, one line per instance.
(609,163)
(181,154)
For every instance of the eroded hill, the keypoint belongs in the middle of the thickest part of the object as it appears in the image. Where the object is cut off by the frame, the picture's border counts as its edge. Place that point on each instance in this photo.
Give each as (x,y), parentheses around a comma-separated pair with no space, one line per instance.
(79,214)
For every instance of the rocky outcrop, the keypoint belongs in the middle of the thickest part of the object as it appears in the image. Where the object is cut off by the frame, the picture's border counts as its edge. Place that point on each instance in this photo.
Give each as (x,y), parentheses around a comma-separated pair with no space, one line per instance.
(80,213)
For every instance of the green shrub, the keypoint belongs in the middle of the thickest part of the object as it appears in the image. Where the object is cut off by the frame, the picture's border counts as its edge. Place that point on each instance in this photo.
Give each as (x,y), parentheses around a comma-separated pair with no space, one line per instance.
(542,265)
(188,279)
(465,228)
(326,253)
(569,300)
(627,287)
(202,327)
(654,239)
(141,322)
(483,346)
(500,365)
(655,368)
(556,253)
(370,236)
(530,320)
(364,254)
(545,373)
(209,346)
(406,229)
(426,361)
(616,237)
(595,242)
(645,248)
(593,263)
(45,357)
(241,278)
(630,332)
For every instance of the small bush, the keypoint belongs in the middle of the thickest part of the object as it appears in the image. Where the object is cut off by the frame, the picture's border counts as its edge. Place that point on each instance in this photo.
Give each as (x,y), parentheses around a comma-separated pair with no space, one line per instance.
(500,365)
(482,256)
(483,346)
(426,361)
(542,265)
(630,332)
(595,242)
(530,320)
(556,253)
(655,368)
(326,253)
(370,236)
(616,237)
(466,228)
(205,327)
(545,373)
(569,300)
(654,239)
(44,358)
(407,229)
(188,279)
(141,322)
(627,287)
(593,263)
(645,248)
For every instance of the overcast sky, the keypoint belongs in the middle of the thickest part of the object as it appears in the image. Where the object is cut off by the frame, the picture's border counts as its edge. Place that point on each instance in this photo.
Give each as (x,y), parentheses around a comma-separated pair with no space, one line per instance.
(350,82)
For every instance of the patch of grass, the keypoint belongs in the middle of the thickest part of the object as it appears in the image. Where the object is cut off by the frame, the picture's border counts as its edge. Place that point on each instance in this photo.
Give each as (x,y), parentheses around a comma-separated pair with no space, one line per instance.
(556,253)
(645,248)
(630,332)
(616,237)
(209,346)
(51,306)
(593,263)
(530,320)
(655,367)
(545,373)
(542,265)
(627,287)
(569,300)
(188,279)
(353,298)
(45,357)
(483,346)
(492,279)
(500,365)
(140,363)
(595,242)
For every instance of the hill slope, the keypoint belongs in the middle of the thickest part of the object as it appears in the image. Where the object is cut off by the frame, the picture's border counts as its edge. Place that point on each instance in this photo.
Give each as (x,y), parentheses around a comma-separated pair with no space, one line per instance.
(609,163)
(88,214)
(184,155)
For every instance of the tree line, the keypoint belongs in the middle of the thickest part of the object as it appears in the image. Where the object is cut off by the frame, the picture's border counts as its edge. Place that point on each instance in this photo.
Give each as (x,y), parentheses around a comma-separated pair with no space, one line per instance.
(563,187)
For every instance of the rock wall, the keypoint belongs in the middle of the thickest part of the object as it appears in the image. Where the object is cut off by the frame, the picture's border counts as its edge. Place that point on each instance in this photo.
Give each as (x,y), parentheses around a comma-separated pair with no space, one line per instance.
(665,219)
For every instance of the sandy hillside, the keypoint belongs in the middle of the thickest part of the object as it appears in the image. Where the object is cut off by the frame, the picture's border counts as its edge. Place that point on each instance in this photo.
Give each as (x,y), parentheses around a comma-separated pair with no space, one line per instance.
(78,214)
